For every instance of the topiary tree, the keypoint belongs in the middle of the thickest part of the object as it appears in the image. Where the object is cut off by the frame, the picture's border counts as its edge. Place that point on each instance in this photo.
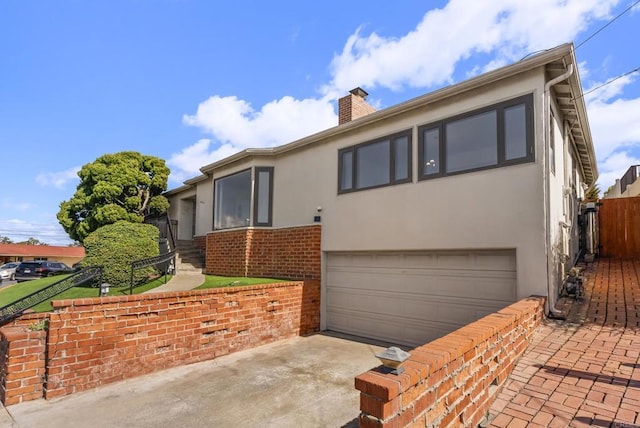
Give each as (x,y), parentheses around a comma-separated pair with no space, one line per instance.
(116,245)
(120,186)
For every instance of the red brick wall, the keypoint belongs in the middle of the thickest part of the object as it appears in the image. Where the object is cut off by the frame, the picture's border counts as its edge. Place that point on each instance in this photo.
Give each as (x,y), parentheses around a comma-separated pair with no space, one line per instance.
(201,243)
(292,252)
(226,253)
(452,380)
(22,364)
(28,318)
(97,341)
(92,342)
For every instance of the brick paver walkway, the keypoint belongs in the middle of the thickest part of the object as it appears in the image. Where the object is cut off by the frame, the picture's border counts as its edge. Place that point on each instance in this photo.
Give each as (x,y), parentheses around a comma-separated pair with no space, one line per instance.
(584,371)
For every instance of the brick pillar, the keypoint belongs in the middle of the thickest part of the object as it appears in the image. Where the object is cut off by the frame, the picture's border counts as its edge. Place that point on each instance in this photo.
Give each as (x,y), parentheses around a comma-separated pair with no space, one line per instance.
(22,364)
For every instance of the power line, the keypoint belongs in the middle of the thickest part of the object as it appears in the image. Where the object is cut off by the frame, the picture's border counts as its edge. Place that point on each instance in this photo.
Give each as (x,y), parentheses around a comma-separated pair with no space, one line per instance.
(608,23)
(608,82)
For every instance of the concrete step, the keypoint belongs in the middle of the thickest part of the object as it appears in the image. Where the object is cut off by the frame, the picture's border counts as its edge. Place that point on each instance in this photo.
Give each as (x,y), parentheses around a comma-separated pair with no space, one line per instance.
(189,258)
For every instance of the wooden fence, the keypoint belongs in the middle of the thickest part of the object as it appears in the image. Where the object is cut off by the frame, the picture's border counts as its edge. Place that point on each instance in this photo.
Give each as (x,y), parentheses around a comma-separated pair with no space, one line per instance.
(620,227)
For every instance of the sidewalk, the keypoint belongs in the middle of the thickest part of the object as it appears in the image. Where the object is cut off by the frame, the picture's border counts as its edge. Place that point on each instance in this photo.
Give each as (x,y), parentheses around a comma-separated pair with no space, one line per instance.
(179,283)
(584,371)
(296,382)
(6,421)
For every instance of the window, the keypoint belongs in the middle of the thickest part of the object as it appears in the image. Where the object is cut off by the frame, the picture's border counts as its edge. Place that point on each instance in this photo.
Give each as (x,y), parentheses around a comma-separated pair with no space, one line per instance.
(264,188)
(495,136)
(471,142)
(377,163)
(233,202)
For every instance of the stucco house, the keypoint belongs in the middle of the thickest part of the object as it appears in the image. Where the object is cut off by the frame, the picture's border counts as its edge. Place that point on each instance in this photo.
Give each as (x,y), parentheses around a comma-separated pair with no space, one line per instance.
(419,218)
(627,186)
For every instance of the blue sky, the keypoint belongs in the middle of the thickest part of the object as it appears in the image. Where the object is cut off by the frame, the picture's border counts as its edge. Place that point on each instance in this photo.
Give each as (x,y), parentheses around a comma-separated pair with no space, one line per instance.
(193,81)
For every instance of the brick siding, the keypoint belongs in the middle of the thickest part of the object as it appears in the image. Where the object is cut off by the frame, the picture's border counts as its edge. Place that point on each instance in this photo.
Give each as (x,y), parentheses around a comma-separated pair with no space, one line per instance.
(291,252)
(92,342)
(453,380)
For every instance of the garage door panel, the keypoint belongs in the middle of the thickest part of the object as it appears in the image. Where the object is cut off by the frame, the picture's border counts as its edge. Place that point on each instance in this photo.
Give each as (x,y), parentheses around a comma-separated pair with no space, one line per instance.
(417,307)
(487,260)
(492,286)
(392,329)
(412,297)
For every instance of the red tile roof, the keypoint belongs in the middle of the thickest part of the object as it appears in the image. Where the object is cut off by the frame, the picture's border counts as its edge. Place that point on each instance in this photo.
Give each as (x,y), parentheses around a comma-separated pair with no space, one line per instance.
(40,250)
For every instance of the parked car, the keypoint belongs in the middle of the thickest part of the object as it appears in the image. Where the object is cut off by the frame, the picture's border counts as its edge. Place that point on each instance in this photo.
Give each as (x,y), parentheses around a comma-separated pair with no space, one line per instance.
(8,271)
(39,269)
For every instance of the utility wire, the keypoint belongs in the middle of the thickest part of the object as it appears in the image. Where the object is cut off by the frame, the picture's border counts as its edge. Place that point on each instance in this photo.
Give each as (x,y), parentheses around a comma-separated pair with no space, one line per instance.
(608,23)
(608,82)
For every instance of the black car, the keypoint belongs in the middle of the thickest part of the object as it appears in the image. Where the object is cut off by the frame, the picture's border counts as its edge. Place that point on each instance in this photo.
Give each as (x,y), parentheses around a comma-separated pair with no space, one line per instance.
(39,269)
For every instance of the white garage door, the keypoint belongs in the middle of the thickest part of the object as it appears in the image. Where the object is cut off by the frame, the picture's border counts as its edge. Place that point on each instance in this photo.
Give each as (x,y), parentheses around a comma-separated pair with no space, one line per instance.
(414,297)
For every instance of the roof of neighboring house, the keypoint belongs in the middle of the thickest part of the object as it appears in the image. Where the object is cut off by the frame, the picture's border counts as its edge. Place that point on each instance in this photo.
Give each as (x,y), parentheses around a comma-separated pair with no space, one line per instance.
(40,250)
(556,61)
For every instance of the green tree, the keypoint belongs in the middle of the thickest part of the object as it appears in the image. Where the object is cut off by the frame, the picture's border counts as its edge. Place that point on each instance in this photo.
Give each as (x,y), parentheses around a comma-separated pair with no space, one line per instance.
(116,245)
(5,240)
(609,190)
(120,186)
(593,194)
(32,241)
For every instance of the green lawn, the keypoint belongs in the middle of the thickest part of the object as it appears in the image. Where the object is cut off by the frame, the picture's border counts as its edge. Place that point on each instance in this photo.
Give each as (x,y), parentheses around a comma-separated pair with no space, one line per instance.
(17,291)
(212,281)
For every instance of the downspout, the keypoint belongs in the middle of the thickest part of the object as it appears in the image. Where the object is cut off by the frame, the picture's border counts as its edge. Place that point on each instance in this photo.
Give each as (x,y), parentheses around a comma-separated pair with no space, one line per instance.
(547,187)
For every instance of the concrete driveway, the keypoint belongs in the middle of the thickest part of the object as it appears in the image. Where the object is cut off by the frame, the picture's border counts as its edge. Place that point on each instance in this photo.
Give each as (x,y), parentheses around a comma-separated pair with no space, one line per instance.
(303,381)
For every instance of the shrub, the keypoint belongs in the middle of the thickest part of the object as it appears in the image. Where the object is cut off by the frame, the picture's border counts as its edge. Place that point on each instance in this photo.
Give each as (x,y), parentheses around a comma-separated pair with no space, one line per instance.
(116,245)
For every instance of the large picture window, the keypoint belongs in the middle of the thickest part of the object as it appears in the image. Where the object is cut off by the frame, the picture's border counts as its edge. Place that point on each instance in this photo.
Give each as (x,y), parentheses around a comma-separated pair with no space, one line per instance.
(233,199)
(377,163)
(495,136)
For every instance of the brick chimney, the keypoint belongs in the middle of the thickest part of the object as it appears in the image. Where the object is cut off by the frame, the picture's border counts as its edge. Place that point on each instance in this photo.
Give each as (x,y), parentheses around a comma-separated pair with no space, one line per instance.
(353,106)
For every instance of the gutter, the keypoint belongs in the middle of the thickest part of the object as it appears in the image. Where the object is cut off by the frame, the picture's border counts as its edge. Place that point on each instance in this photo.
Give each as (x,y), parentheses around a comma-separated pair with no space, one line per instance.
(553,312)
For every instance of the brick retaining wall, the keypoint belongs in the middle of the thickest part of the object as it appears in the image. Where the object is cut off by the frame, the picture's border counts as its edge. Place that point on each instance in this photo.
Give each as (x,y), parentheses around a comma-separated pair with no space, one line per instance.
(93,342)
(453,380)
(291,252)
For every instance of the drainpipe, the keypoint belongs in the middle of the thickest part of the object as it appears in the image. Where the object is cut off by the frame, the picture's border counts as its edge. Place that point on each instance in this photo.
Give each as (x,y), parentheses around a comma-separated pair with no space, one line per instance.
(553,312)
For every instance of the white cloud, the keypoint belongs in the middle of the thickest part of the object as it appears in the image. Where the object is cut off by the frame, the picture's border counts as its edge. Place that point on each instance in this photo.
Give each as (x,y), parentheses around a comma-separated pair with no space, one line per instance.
(186,164)
(499,32)
(613,120)
(614,167)
(602,92)
(428,55)
(49,233)
(236,126)
(234,121)
(58,179)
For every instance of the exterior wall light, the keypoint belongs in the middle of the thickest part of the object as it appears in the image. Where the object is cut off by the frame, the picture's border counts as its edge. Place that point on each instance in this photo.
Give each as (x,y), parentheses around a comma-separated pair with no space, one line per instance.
(392,359)
(104,289)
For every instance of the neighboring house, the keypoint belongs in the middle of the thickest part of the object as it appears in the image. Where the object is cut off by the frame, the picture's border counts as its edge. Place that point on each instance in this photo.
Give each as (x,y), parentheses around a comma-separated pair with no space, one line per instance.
(627,186)
(418,218)
(24,252)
